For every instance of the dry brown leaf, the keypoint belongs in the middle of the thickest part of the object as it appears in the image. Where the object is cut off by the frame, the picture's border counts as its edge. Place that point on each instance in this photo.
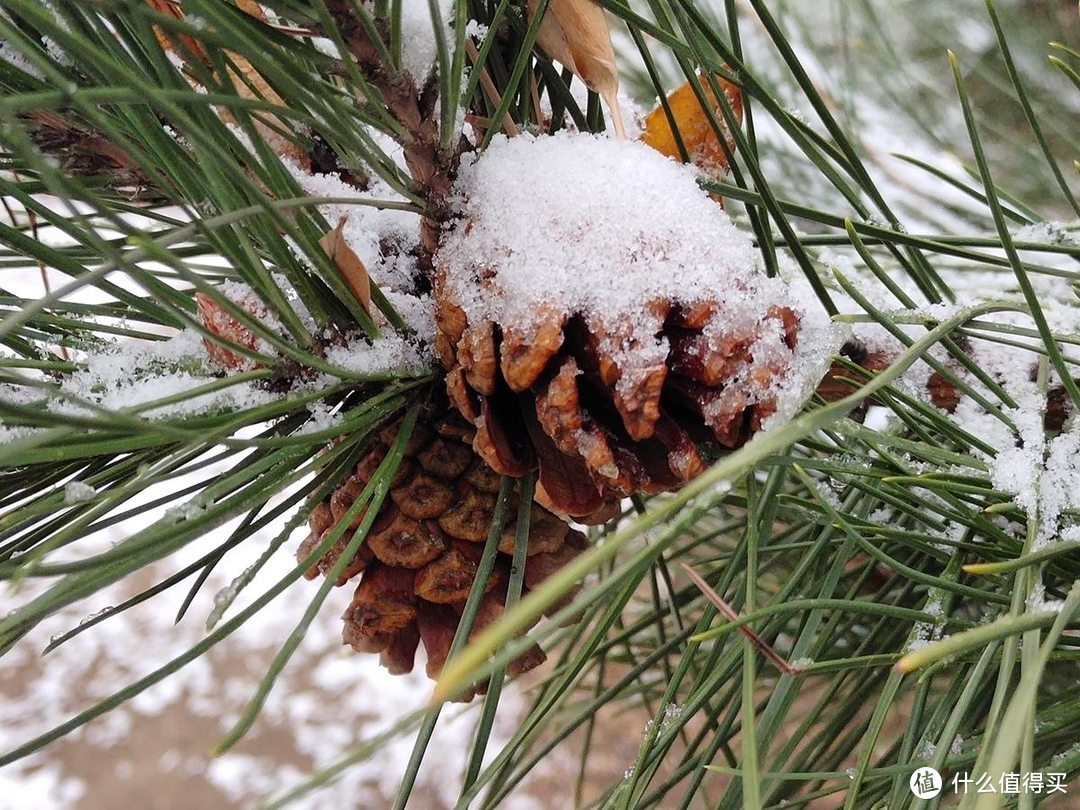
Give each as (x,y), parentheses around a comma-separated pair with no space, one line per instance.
(175,8)
(348,264)
(248,82)
(223,325)
(250,85)
(575,33)
(253,9)
(698,135)
(171,8)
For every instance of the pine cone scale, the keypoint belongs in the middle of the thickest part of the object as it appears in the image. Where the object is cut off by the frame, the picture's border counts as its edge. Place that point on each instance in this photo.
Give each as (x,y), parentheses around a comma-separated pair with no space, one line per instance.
(500,436)
(565,479)
(423,497)
(405,542)
(478,357)
(525,354)
(399,654)
(383,602)
(470,517)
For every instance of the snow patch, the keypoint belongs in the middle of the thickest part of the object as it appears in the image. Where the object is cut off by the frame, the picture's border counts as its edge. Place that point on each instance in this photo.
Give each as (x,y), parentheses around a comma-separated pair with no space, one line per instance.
(418,44)
(78,492)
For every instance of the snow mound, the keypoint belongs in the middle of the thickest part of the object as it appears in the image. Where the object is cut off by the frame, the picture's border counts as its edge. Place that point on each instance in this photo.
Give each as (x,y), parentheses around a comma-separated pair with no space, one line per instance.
(614,232)
(595,225)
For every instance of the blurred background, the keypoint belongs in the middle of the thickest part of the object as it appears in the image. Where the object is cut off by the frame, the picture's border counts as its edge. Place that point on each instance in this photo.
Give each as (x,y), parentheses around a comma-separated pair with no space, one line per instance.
(882,66)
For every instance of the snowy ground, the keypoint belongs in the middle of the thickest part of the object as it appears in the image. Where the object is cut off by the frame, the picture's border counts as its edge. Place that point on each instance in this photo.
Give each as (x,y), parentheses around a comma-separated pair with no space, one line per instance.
(154,750)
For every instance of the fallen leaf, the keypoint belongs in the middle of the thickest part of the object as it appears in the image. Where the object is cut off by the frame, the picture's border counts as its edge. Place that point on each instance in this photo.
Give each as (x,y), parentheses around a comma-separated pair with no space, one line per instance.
(176,11)
(695,129)
(223,325)
(348,264)
(247,81)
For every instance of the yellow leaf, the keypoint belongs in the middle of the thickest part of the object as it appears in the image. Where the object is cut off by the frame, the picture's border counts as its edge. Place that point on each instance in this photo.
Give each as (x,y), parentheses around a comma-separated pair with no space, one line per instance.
(695,129)
(348,264)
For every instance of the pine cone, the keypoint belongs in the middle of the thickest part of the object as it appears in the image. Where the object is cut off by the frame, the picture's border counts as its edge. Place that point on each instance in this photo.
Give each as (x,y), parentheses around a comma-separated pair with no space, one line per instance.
(556,394)
(607,399)
(418,562)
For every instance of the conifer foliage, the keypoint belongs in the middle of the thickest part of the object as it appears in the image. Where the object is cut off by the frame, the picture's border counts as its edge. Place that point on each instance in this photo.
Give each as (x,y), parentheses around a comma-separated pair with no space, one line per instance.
(606,344)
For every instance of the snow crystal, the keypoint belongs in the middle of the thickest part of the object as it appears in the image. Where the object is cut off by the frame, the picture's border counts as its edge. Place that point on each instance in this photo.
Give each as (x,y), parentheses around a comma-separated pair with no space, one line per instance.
(185,511)
(12,434)
(935,313)
(598,225)
(78,492)
(418,312)
(476,30)
(934,606)
(97,614)
(323,417)
(925,633)
(878,418)
(1059,483)
(883,515)
(13,56)
(248,300)
(1060,757)
(325,46)
(1038,603)
(137,373)
(59,55)
(672,712)
(386,240)
(819,341)
(1042,474)
(1036,469)
(828,495)
(1048,232)
(177,62)
(367,228)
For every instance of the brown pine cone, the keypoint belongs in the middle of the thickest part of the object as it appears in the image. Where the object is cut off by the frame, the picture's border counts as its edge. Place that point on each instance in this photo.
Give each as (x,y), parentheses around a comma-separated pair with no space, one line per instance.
(610,382)
(418,562)
(554,394)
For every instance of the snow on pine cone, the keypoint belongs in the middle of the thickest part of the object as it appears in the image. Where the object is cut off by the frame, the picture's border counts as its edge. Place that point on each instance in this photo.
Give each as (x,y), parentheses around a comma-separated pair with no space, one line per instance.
(419,560)
(601,318)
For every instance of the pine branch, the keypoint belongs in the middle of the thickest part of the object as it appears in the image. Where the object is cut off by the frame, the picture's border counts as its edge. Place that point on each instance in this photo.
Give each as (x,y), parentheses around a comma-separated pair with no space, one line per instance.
(190,175)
